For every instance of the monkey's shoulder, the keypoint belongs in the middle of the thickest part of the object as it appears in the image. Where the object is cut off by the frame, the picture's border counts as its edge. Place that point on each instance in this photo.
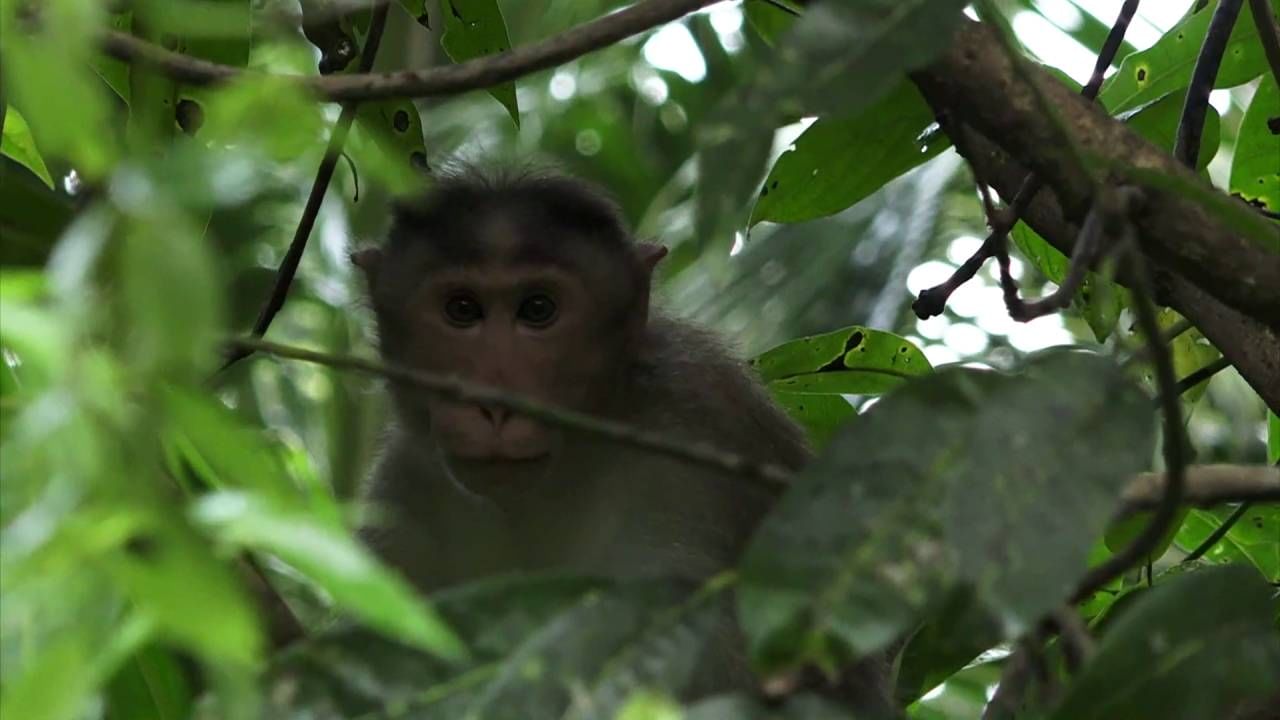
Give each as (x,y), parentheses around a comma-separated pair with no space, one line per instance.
(692,385)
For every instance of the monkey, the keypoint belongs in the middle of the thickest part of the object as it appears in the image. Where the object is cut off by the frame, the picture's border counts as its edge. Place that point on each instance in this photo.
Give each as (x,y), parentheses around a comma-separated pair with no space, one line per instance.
(532,283)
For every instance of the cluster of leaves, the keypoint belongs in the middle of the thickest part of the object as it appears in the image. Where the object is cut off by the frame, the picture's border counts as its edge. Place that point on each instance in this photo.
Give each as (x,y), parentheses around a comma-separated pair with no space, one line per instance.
(140,510)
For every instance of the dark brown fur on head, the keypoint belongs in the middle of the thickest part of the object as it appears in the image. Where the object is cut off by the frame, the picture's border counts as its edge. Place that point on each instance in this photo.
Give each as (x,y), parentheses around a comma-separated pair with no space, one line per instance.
(496,240)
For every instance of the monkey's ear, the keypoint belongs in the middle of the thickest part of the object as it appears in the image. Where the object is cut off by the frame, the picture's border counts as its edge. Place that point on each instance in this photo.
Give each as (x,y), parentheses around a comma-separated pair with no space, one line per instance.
(649,255)
(368,260)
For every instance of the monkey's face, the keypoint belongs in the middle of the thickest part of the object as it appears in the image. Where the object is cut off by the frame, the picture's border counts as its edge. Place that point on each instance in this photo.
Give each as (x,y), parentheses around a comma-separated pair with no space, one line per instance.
(538,331)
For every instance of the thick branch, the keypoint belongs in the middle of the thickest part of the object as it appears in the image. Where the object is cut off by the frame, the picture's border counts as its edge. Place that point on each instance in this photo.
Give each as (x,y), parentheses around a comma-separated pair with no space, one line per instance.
(976,83)
(446,80)
(1206,485)
(1252,346)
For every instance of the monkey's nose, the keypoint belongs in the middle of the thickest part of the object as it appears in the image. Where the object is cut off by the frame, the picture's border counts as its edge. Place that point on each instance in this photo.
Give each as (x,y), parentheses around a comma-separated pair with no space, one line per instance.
(497,416)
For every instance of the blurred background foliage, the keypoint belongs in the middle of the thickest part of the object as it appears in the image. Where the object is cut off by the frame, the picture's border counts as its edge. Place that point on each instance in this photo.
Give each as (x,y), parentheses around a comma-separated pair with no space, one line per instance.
(132,245)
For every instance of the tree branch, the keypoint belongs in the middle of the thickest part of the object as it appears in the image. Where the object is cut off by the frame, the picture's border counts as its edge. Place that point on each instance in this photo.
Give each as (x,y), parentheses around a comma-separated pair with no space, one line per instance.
(1206,485)
(324,174)
(1268,34)
(1186,146)
(772,476)
(445,80)
(1252,346)
(978,85)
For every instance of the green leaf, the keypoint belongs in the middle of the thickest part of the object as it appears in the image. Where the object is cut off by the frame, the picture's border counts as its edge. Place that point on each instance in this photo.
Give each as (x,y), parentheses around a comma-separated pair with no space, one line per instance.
(1166,66)
(218,448)
(389,141)
(171,295)
(1043,257)
(1158,122)
(150,685)
(768,20)
(334,561)
(18,144)
(819,415)
(881,526)
(858,349)
(838,59)
(1191,648)
(1255,171)
(954,636)
(1253,540)
(264,114)
(193,598)
(841,160)
(47,72)
(475,28)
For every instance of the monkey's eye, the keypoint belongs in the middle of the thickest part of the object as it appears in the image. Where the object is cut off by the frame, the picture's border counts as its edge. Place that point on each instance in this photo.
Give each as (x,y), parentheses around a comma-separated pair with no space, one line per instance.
(463,311)
(537,310)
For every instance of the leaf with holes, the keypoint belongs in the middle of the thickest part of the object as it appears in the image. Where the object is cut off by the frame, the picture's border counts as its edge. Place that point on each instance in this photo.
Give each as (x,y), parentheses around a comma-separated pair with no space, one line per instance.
(960,479)
(841,160)
(856,360)
(819,415)
(396,127)
(1193,647)
(1167,65)
(475,28)
(1255,167)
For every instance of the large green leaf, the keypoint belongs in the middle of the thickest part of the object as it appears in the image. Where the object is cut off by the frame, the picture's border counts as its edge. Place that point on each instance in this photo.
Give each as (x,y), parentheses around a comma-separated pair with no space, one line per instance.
(1017,477)
(1158,122)
(544,646)
(819,415)
(837,59)
(151,684)
(334,561)
(843,159)
(1189,649)
(472,29)
(1167,65)
(1255,167)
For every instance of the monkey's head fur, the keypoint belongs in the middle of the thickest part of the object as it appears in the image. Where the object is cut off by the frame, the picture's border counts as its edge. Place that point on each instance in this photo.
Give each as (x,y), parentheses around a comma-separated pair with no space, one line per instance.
(530,283)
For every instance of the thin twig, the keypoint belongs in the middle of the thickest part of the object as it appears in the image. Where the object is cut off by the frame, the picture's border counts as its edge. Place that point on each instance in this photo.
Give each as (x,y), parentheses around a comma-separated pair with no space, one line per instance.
(474,74)
(1203,374)
(324,174)
(1089,248)
(1110,47)
(1268,34)
(1218,533)
(1175,449)
(453,388)
(1173,332)
(1186,146)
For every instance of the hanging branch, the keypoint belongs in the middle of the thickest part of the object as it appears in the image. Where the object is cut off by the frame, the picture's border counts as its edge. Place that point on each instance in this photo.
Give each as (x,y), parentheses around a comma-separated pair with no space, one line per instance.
(1206,485)
(324,174)
(932,301)
(474,74)
(1186,146)
(1120,204)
